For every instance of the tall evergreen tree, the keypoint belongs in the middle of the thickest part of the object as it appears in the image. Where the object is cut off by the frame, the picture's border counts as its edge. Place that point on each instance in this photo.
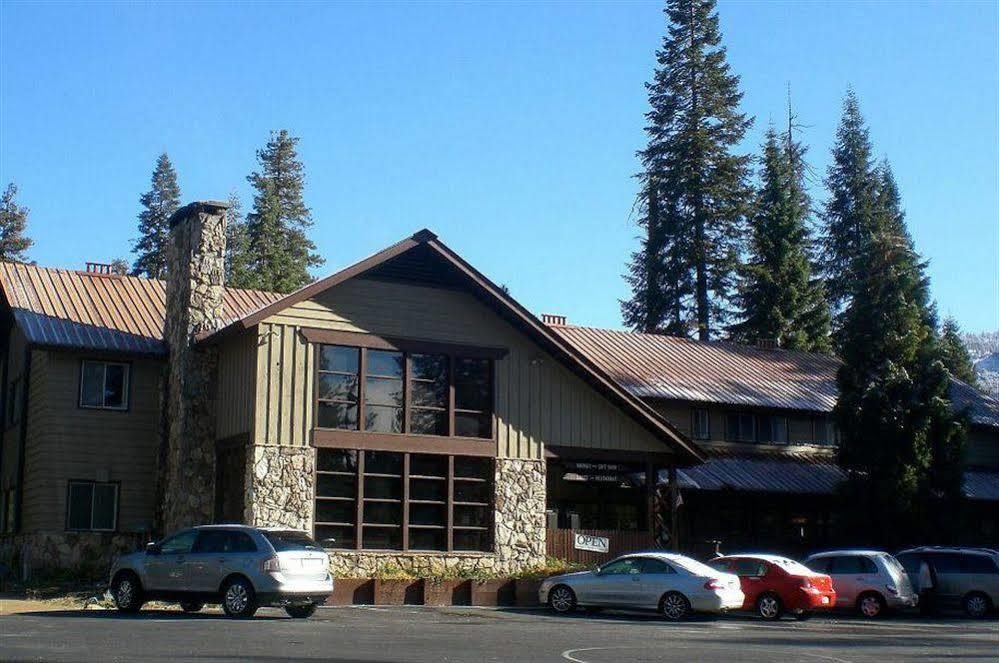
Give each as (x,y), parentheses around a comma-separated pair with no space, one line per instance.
(779,297)
(14,243)
(238,261)
(693,185)
(901,443)
(849,211)
(120,267)
(276,228)
(954,353)
(162,200)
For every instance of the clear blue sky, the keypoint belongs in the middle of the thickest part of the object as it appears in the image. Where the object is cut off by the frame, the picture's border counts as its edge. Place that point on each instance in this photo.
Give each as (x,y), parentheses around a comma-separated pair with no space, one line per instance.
(508,128)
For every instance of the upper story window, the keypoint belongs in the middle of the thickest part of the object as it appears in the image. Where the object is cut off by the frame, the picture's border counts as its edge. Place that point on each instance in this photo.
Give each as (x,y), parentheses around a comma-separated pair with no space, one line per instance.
(387,391)
(824,431)
(773,429)
(700,424)
(14,399)
(92,506)
(740,427)
(104,385)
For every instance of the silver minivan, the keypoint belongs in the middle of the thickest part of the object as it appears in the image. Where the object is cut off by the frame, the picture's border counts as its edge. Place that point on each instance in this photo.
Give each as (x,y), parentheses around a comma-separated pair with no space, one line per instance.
(240,567)
(966,577)
(869,581)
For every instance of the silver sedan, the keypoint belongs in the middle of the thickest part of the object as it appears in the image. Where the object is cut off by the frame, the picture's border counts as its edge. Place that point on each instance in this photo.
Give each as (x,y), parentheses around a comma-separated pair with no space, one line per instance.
(673,584)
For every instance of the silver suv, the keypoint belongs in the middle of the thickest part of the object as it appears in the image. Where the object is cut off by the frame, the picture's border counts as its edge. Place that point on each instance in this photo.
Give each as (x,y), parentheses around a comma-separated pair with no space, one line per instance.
(240,567)
(968,577)
(869,581)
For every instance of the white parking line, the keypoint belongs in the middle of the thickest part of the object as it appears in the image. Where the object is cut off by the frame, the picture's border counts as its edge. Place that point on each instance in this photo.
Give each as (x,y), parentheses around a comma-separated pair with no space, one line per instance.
(570,654)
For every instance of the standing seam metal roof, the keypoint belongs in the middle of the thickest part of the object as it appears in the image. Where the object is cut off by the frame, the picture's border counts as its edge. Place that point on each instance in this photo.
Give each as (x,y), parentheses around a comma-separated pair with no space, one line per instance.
(73,309)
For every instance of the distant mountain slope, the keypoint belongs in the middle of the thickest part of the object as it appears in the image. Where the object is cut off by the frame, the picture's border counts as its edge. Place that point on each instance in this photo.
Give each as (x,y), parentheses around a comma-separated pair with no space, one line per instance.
(984,350)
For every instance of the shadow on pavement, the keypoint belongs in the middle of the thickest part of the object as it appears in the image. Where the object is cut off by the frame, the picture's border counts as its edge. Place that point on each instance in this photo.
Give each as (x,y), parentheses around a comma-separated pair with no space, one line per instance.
(143,616)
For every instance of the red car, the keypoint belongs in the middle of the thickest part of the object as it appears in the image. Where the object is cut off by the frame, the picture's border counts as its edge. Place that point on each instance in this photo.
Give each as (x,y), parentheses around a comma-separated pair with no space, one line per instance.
(774,585)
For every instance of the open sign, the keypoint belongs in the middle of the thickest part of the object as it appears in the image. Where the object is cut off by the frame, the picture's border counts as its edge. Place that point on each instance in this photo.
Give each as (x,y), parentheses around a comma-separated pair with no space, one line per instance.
(600,544)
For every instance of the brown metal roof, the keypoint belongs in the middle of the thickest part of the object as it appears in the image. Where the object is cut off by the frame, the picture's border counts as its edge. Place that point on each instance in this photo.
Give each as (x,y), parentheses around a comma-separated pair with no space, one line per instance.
(655,366)
(72,309)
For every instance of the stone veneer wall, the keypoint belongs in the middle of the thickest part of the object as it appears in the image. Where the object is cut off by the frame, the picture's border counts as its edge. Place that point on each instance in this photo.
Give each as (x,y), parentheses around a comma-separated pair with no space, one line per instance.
(194,304)
(280,486)
(519,533)
(87,553)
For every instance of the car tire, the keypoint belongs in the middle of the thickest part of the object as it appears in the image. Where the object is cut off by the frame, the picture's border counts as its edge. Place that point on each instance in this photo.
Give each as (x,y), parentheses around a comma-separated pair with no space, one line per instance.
(301,611)
(238,598)
(674,606)
(769,607)
(191,606)
(562,599)
(804,615)
(976,605)
(871,605)
(126,590)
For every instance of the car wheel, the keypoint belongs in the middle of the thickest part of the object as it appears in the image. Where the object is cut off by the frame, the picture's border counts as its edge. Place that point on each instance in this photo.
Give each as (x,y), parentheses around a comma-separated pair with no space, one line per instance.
(871,605)
(562,599)
(301,611)
(804,615)
(675,606)
(976,605)
(238,598)
(769,607)
(191,606)
(127,592)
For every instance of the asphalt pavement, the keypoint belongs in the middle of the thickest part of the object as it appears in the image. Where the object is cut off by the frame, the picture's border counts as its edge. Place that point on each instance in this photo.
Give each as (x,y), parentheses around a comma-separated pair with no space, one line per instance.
(421,635)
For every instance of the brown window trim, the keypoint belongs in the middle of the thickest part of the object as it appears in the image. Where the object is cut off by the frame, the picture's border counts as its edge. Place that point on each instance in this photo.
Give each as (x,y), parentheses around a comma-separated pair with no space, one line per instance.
(332,438)
(693,423)
(350,339)
(127,393)
(363,340)
(449,503)
(117,504)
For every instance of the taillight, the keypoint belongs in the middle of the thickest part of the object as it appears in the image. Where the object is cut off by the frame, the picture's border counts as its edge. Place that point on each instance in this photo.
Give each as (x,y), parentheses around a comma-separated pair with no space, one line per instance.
(714,583)
(272,565)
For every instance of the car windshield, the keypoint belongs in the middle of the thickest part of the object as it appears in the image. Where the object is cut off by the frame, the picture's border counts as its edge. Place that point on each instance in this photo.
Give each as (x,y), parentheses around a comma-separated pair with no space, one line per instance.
(793,567)
(291,540)
(695,567)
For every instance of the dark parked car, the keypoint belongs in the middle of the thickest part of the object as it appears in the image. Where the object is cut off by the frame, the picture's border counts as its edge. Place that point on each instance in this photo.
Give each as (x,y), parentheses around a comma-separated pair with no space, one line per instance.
(966,577)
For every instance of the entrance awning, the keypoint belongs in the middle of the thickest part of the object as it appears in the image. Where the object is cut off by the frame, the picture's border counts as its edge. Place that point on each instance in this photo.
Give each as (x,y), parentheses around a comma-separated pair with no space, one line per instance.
(763,475)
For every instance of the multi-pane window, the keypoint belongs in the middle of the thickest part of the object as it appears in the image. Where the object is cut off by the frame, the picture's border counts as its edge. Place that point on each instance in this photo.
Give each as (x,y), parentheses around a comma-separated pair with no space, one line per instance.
(773,429)
(387,391)
(380,500)
(700,426)
(14,400)
(92,506)
(338,386)
(104,385)
(741,427)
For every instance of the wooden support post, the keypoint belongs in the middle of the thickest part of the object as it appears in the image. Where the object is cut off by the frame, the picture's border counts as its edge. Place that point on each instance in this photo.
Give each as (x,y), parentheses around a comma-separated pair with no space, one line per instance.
(650,499)
(674,515)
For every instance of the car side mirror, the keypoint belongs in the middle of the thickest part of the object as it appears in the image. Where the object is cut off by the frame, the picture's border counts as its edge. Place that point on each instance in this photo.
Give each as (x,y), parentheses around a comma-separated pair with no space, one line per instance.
(152,548)
(598,570)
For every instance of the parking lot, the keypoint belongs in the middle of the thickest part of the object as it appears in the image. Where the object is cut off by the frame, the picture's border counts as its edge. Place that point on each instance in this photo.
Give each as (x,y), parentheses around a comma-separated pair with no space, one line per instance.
(421,635)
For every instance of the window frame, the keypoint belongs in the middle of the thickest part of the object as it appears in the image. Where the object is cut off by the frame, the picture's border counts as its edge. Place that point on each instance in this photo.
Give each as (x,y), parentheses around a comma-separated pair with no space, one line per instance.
(694,432)
(452,355)
(93,496)
(126,390)
(734,436)
(450,503)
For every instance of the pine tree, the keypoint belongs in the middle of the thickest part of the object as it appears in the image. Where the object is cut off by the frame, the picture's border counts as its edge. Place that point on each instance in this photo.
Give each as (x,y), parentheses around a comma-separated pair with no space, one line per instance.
(282,252)
(119,266)
(780,299)
(162,200)
(13,224)
(693,187)
(238,261)
(954,353)
(849,211)
(901,444)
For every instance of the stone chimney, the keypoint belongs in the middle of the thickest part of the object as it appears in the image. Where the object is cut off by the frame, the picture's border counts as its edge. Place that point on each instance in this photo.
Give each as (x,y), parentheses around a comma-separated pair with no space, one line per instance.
(194,304)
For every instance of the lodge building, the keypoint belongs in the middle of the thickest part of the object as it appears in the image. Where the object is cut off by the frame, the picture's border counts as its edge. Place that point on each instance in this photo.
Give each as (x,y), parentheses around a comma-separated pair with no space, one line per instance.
(406,410)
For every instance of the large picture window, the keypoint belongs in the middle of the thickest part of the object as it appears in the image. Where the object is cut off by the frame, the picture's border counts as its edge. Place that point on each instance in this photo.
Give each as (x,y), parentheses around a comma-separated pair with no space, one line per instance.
(389,391)
(104,385)
(380,500)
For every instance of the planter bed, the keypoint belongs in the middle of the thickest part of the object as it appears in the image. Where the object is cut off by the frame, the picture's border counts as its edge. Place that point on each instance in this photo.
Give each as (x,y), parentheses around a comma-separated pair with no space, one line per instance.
(398,592)
(352,591)
(499,591)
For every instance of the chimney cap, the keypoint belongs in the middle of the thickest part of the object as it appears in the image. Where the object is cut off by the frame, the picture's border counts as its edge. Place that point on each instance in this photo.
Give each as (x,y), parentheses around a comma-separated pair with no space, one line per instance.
(196,207)
(554,320)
